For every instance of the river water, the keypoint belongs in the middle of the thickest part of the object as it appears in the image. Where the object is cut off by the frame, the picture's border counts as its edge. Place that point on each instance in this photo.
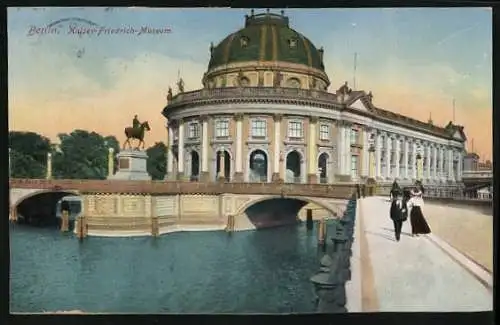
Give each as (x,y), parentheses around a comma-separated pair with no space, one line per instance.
(263,271)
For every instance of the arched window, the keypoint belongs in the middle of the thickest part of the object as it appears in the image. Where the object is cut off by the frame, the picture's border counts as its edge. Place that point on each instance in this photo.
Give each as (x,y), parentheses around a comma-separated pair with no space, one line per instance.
(293,83)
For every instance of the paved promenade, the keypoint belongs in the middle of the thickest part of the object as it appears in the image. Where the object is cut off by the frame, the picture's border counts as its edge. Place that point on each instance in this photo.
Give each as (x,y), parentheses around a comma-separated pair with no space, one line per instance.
(417,274)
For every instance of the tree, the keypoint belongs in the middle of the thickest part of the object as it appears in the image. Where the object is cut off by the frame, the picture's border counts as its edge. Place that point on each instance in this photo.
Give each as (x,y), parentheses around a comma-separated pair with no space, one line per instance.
(156,160)
(83,155)
(28,154)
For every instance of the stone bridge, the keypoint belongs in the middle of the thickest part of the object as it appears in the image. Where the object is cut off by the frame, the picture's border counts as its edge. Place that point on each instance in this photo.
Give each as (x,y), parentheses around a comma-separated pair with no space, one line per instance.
(477,179)
(114,207)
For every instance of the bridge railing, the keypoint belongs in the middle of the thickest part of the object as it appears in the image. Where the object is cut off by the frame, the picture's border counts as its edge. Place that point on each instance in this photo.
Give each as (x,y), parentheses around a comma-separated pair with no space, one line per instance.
(454,192)
(343,191)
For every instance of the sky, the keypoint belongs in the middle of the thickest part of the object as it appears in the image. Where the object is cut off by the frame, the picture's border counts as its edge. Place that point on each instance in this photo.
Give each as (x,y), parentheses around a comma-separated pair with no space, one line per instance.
(416,61)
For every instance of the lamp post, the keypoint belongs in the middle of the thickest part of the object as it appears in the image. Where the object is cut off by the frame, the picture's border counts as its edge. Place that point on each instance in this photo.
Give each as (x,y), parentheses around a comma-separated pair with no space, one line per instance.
(111,162)
(10,169)
(49,165)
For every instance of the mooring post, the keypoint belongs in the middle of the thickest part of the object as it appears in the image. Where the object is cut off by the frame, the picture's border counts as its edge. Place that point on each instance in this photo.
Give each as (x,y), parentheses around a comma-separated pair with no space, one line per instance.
(309,219)
(65,221)
(321,233)
(230,223)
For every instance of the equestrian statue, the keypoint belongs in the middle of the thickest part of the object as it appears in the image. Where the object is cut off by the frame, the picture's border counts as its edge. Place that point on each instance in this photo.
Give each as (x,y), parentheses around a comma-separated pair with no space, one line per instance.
(136,132)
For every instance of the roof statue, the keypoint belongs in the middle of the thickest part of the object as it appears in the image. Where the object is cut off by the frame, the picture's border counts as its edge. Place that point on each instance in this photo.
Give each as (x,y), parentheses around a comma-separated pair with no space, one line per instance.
(169,94)
(180,85)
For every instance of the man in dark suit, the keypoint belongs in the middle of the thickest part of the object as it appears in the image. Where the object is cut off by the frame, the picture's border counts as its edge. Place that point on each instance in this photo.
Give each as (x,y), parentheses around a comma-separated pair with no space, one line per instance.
(398,212)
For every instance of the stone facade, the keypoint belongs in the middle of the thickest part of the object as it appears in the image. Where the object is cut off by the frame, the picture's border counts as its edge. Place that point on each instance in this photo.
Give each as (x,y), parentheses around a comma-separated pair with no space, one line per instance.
(278,103)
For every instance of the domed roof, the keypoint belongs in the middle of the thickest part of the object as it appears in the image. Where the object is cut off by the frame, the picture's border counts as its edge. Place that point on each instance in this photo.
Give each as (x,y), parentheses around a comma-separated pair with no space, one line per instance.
(266,37)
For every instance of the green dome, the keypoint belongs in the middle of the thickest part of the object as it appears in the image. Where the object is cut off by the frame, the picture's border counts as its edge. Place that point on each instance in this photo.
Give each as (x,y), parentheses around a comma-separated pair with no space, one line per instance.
(266,37)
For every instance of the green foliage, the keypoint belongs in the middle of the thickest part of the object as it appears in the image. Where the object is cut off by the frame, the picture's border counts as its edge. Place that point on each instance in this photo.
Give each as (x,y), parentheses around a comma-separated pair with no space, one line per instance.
(83,155)
(80,155)
(28,154)
(156,161)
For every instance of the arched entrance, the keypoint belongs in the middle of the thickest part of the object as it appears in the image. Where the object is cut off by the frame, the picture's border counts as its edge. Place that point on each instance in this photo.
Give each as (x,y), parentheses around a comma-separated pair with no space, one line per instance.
(195,166)
(323,167)
(258,166)
(293,172)
(223,162)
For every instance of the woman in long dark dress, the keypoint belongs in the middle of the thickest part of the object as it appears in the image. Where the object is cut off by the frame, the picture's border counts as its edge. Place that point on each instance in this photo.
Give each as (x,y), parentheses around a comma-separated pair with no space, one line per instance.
(417,220)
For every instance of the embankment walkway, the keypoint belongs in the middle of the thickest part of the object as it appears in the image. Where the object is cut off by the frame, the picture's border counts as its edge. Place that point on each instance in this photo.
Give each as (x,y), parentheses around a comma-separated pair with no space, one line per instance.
(416,274)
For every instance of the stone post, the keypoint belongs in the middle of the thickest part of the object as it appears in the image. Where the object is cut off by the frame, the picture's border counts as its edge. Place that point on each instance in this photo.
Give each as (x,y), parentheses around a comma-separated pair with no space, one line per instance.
(312,164)
(238,175)
(49,166)
(111,162)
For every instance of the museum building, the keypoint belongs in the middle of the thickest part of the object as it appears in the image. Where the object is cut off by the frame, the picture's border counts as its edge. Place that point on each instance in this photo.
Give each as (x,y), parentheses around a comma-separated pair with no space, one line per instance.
(264,115)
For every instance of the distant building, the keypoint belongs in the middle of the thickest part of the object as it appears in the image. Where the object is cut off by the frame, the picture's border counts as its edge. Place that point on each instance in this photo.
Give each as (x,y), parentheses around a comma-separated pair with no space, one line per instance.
(265,114)
(471,161)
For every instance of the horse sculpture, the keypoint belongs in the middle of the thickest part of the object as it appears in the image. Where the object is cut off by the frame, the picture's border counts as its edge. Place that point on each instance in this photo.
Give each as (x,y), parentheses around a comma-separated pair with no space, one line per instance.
(136,133)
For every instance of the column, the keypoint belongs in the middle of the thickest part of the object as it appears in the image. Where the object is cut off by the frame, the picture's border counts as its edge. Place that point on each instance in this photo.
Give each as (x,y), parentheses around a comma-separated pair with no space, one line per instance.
(387,172)
(441,162)
(420,166)
(341,148)
(366,158)
(378,156)
(347,153)
(238,168)
(414,159)
(49,165)
(312,176)
(434,163)
(460,163)
(170,154)
(405,157)
(397,154)
(180,155)
(222,166)
(277,148)
(204,175)
(428,162)
(111,162)
(450,164)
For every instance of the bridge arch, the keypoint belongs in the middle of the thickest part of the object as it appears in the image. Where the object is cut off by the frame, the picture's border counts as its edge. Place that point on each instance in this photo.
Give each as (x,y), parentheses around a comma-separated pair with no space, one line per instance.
(39,207)
(305,200)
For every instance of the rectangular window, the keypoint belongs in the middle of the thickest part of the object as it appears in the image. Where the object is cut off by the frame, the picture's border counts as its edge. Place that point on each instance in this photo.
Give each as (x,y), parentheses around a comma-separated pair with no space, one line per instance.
(295,129)
(354,136)
(401,159)
(324,132)
(259,128)
(222,128)
(193,130)
(384,143)
(382,157)
(354,166)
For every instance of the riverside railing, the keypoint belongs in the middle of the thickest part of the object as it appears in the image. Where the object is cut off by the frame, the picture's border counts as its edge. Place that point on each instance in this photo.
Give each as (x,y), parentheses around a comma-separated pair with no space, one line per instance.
(335,269)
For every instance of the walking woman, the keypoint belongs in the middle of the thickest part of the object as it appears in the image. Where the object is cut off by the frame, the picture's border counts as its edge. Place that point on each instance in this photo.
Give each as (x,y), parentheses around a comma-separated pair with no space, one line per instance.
(418,223)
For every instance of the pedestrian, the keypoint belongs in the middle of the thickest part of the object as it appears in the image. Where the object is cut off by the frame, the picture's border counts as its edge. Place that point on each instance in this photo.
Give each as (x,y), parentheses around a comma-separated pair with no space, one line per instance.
(417,220)
(398,212)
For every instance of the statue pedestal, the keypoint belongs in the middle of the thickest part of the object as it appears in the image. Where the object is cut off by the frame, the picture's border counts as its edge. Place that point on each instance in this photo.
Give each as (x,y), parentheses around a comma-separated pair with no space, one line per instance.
(132,165)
